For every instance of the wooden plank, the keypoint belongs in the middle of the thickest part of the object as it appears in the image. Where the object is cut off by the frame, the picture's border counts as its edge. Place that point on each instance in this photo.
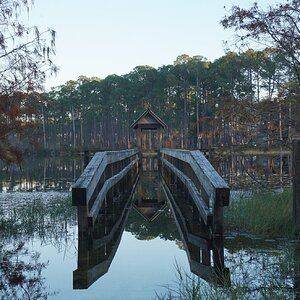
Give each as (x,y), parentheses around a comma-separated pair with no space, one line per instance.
(200,242)
(221,188)
(207,273)
(93,213)
(192,238)
(203,209)
(87,182)
(84,187)
(185,156)
(213,184)
(97,243)
(114,156)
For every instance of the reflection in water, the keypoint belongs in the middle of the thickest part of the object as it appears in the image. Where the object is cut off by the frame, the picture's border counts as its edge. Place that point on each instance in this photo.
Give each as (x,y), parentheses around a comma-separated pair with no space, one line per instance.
(261,171)
(59,173)
(205,251)
(20,276)
(41,174)
(97,250)
(46,223)
(46,217)
(150,199)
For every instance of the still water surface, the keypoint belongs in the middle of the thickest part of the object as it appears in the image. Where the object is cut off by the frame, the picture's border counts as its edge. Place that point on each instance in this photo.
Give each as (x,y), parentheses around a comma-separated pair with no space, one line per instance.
(35,205)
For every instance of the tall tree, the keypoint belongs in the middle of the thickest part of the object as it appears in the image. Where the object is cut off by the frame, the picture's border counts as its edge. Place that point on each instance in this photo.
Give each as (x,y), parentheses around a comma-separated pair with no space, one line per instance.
(25,52)
(278,27)
(25,58)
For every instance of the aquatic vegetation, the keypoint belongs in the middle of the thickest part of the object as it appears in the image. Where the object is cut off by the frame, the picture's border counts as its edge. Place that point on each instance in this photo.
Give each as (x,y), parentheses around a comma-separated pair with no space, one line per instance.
(267,213)
(36,213)
(252,276)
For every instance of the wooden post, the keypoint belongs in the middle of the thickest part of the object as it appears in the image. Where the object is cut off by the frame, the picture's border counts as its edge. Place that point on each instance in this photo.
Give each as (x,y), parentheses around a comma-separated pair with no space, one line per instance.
(159,146)
(87,157)
(139,144)
(296,184)
(82,220)
(139,139)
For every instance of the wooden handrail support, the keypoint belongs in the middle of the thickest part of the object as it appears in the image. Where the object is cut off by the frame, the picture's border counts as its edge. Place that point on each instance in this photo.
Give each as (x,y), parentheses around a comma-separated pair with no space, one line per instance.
(84,187)
(92,215)
(214,186)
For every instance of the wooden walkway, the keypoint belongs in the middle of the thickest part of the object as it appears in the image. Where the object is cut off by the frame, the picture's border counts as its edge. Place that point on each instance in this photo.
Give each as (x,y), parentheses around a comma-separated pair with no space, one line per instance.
(111,173)
(106,177)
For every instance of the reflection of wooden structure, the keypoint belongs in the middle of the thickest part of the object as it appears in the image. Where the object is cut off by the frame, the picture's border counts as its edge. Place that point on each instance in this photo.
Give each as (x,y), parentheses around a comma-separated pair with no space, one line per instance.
(96,251)
(106,177)
(149,137)
(148,199)
(205,251)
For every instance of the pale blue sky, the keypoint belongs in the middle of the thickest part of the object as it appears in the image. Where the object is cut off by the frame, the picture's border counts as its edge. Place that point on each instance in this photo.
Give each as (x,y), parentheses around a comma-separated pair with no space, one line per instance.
(99,38)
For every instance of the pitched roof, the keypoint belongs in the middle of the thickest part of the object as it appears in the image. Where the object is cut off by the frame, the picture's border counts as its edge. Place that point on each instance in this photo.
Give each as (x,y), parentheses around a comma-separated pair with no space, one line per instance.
(148,117)
(150,213)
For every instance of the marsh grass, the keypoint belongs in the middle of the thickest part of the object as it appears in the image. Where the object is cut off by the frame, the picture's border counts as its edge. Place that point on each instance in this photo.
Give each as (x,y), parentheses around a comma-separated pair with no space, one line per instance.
(254,273)
(37,216)
(265,213)
(261,277)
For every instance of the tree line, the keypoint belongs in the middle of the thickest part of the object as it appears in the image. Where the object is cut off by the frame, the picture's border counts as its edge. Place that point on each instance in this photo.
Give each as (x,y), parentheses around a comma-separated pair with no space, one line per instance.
(247,98)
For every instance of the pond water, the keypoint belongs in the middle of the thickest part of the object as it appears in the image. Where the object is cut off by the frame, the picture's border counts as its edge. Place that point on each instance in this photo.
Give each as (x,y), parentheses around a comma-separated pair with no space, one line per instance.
(139,247)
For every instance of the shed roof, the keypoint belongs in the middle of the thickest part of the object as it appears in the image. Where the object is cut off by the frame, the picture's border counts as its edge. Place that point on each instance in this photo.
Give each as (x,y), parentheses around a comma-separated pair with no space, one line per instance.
(148,117)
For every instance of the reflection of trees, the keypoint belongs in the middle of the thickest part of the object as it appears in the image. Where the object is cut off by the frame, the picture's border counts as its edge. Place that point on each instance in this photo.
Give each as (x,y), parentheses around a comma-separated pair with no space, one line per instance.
(41,174)
(20,279)
(261,171)
(48,216)
(163,226)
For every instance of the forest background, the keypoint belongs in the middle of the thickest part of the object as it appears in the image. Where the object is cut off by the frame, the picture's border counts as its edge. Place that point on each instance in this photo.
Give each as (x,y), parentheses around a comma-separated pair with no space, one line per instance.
(247,98)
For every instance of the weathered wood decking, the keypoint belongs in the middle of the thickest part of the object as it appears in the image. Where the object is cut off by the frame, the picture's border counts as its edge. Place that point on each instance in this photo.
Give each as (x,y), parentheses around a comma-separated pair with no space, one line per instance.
(101,181)
(207,188)
(109,174)
(102,175)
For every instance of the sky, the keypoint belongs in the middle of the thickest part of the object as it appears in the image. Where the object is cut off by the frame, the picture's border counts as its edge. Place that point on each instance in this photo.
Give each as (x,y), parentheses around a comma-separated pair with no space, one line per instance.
(104,37)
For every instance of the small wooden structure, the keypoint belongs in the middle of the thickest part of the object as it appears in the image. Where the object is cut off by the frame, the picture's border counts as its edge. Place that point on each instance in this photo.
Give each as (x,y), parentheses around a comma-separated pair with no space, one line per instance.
(149,137)
(108,175)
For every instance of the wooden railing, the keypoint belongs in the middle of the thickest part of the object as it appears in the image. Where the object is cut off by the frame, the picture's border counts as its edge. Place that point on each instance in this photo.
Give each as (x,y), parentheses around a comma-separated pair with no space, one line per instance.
(206,187)
(104,177)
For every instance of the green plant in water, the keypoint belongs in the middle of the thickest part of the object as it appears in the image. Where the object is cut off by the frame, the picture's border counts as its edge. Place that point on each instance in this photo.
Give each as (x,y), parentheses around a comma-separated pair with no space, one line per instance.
(267,213)
(252,277)
(38,217)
